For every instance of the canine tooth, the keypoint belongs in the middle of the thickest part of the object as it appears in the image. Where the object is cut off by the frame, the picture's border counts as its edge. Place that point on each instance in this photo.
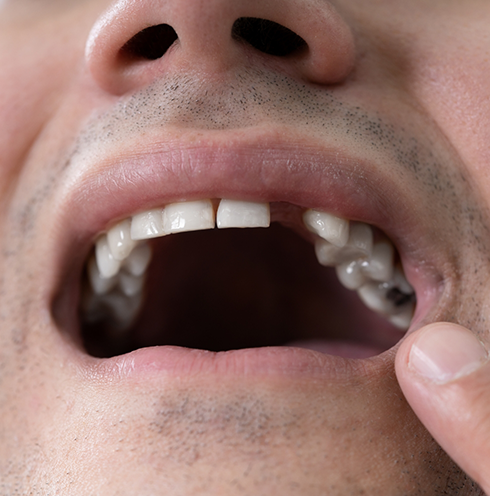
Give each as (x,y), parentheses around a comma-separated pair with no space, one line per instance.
(373,295)
(233,213)
(120,241)
(380,266)
(147,225)
(131,285)
(329,227)
(138,260)
(350,274)
(108,267)
(99,284)
(188,216)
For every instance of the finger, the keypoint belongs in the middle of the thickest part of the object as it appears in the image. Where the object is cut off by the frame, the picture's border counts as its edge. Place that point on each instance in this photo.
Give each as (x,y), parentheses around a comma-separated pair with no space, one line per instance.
(444,373)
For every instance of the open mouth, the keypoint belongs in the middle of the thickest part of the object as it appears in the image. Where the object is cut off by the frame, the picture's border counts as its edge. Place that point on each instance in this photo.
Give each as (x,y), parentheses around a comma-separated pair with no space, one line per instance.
(221,274)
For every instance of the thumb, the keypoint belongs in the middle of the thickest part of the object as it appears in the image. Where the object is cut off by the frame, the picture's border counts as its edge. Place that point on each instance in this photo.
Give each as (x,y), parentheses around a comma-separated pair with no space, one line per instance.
(444,372)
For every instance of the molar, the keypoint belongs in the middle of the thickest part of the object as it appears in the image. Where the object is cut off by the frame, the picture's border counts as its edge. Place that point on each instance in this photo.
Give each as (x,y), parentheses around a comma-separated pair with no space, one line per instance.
(393,298)
(402,320)
(400,282)
(373,295)
(188,216)
(233,213)
(350,274)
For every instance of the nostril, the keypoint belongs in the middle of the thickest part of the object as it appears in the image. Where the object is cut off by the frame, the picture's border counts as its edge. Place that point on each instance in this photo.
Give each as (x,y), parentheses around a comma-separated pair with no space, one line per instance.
(150,43)
(267,36)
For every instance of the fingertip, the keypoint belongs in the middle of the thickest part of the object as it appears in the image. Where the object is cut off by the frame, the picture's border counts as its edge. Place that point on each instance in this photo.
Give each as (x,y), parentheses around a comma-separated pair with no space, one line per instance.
(442,374)
(441,352)
(402,358)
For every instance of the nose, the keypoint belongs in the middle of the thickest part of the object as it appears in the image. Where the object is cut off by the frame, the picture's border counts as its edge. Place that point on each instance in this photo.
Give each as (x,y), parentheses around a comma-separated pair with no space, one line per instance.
(137,41)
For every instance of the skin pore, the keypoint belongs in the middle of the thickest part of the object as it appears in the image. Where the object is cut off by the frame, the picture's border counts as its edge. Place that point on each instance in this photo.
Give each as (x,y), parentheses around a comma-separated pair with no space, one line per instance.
(384,123)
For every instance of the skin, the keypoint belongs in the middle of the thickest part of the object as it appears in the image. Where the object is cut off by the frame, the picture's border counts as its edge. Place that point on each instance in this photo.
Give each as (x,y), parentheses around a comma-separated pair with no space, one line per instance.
(397,89)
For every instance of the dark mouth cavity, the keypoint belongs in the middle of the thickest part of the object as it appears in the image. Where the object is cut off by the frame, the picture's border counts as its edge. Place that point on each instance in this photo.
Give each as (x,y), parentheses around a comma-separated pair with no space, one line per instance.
(228,289)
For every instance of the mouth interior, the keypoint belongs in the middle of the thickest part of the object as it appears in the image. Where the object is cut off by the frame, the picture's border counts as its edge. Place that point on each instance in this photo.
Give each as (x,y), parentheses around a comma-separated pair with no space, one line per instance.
(221,290)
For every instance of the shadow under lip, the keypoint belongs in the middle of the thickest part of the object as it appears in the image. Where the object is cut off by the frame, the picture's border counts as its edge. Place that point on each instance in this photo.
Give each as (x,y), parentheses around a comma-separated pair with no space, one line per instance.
(339,348)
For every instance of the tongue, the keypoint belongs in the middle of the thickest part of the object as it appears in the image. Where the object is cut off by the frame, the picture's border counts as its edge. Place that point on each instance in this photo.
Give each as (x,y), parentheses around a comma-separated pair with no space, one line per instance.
(344,349)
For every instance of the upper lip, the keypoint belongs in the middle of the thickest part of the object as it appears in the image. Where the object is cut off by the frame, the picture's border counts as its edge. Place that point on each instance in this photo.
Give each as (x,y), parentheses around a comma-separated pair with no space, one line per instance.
(255,166)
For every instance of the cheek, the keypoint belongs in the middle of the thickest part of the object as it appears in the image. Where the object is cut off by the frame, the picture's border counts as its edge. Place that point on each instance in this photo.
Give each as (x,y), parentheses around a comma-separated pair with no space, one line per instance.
(23,90)
(35,72)
(452,81)
(459,97)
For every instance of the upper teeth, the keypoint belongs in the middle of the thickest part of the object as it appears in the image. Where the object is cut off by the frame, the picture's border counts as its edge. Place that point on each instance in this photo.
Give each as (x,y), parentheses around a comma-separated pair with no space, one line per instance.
(232,213)
(121,257)
(107,264)
(329,227)
(147,225)
(188,216)
(120,241)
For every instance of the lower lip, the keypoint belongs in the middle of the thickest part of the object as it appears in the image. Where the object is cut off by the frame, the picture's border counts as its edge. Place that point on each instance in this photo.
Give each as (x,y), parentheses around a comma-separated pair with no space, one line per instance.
(167,362)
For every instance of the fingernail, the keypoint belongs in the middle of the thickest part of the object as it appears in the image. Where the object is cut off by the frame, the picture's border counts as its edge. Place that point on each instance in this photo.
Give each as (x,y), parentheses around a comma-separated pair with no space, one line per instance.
(444,352)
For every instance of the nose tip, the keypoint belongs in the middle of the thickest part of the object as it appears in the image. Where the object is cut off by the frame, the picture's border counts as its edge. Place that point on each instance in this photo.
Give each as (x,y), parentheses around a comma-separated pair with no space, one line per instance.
(137,41)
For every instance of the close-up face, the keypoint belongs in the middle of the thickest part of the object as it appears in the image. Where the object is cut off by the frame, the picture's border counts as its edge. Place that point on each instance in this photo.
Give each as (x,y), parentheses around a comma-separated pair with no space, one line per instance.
(218,221)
